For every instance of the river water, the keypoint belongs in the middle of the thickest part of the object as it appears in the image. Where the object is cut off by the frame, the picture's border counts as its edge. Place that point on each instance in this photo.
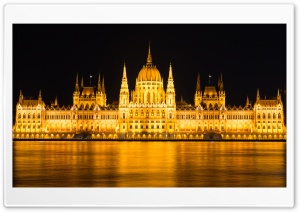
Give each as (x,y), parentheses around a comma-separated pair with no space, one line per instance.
(148,164)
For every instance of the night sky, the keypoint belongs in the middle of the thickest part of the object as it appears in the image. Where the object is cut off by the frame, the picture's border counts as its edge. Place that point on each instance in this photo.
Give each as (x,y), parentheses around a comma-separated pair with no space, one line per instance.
(48,57)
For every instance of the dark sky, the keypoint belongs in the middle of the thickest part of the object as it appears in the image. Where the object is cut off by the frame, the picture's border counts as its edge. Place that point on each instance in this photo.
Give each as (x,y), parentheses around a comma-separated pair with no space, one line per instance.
(48,56)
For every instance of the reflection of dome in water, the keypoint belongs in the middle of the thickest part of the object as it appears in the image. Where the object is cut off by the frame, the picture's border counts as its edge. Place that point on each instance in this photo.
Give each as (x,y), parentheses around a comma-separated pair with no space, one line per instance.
(149,72)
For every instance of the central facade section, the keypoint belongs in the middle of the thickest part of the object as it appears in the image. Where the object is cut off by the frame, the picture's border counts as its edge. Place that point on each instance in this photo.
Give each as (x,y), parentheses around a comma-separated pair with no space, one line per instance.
(149,109)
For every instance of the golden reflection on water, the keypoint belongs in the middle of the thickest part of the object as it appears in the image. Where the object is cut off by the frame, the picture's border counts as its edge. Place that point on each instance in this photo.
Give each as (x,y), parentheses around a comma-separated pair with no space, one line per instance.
(149,164)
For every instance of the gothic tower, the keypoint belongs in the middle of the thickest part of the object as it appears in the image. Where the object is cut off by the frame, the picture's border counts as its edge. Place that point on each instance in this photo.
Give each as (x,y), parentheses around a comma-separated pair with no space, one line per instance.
(198,94)
(76,93)
(221,92)
(170,93)
(170,102)
(123,103)
(100,93)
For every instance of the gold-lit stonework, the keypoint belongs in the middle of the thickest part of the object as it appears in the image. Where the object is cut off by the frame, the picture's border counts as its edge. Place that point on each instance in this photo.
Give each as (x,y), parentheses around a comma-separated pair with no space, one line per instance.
(149,112)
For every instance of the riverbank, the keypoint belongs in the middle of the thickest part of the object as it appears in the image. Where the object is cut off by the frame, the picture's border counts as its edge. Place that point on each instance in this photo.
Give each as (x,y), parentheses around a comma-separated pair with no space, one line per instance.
(148,140)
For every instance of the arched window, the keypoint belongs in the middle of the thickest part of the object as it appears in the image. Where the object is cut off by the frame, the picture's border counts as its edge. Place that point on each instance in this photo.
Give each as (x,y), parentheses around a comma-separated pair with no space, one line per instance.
(123,115)
(170,115)
(158,113)
(279,115)
(274,116)
(152,113)
(29,115)
(269,115)
(264,116)
(136,113)
(131,114)
(33,116)
(258,116)
(163,113)
(19,116)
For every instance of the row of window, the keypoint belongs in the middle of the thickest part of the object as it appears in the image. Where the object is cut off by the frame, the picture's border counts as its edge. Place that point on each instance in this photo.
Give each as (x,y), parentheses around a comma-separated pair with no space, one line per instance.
(147,113)
(29,126)
(57,116)
(240,116)
(269,122)
(269,116)
(269,127)
(147,121)
(29,116)
(147,126)
(268,108)
(186,116)
(81,116)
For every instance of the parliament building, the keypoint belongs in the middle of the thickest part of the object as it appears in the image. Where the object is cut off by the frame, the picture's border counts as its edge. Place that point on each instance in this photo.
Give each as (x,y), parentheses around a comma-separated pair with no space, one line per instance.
(149,112)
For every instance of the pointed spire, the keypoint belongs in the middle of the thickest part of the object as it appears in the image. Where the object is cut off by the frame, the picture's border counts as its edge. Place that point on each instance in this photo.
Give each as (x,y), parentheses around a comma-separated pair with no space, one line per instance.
(221,86)
(278,94)
(198,87)
(247,101)
(99,83)
(149,58)
(124,71)
(21,96)
(170,72)
(40,95)
(103,88)
(257,95)
(76,84)
(181,98)
(82,82)
(55,102)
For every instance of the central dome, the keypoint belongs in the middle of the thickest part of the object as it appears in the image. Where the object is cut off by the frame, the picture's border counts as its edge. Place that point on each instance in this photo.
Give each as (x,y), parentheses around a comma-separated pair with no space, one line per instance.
(149,72)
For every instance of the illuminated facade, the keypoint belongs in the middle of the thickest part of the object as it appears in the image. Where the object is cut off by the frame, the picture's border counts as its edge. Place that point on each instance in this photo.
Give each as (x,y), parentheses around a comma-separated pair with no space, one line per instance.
(149,112)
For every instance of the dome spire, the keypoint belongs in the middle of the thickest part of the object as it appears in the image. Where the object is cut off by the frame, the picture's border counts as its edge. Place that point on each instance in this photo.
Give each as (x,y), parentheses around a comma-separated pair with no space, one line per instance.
(149,58)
